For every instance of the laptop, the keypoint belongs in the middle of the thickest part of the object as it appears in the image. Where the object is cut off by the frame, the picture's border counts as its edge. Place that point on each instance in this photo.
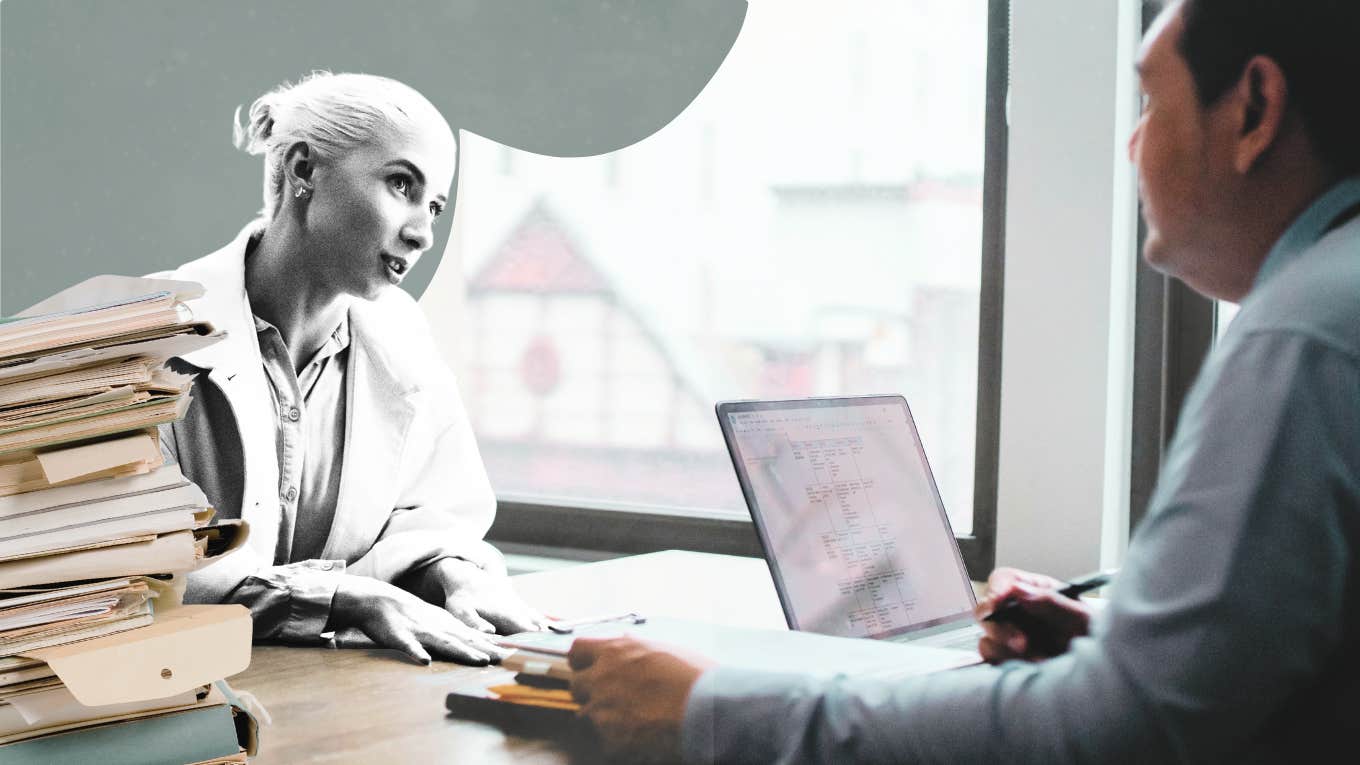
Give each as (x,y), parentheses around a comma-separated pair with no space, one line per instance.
(850,519)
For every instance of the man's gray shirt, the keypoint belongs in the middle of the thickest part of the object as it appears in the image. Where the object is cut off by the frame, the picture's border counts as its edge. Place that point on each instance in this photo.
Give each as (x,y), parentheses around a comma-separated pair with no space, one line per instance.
(1232,631)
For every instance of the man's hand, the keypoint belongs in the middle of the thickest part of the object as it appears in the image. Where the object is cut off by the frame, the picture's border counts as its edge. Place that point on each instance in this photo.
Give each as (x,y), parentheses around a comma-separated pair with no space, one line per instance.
(394,618)
(482,599)
(635,694)
(1061,618)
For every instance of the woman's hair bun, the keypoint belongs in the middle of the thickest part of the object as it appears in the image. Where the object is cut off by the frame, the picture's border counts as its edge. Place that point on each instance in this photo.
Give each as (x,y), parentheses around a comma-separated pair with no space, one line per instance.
(253,136)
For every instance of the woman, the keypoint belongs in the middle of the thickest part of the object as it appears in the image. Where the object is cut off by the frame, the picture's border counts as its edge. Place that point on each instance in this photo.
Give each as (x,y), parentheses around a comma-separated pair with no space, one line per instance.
(325,419)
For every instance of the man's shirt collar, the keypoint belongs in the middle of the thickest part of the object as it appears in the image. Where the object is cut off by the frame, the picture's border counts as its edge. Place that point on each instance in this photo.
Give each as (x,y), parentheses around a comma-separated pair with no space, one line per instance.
(1310,227)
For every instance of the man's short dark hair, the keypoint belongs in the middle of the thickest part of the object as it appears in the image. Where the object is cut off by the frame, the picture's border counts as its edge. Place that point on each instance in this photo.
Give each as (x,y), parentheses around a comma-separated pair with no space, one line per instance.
(1314,42)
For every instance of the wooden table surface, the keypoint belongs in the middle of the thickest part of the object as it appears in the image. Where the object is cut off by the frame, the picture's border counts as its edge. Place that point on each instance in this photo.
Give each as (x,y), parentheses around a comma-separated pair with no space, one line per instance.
(374,706)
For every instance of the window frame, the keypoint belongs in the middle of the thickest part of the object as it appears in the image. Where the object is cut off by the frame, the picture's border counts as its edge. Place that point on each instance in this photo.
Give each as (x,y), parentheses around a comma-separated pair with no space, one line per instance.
(1173,332)
(578,529)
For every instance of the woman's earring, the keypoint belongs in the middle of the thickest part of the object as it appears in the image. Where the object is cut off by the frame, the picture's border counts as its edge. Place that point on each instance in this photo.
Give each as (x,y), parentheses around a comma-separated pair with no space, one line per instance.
(301,191)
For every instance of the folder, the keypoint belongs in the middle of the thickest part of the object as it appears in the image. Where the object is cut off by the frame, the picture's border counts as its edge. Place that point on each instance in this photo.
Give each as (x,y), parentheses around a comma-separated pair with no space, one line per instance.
(128,416)
(30,710)
(88,531)
(177,343)
(100,490)
(217,728)
(106,290)
(176,552)
(106,682)
(56,410)
(121,455)
(20,669)
(81,382)
(97,309)
(40,511)
(32,619)
(184,648)
(102,319)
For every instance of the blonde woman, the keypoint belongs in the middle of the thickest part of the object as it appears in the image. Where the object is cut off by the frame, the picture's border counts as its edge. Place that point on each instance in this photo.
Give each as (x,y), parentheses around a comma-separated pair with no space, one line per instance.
(326,418)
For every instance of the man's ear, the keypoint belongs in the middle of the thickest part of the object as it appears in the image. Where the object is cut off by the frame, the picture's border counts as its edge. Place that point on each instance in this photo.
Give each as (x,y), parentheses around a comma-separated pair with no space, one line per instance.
(297,168)
(1263,99)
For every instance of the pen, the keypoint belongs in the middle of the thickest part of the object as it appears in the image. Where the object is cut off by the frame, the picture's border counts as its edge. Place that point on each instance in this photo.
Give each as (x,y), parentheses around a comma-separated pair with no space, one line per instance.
(1009,608)
(568,627)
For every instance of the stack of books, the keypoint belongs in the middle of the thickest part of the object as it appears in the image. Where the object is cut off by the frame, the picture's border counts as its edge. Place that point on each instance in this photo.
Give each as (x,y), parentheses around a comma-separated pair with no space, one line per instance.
(99,658)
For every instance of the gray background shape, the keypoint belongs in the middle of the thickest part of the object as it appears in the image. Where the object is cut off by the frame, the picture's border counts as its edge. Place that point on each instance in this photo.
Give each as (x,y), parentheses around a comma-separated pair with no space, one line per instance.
(115,134)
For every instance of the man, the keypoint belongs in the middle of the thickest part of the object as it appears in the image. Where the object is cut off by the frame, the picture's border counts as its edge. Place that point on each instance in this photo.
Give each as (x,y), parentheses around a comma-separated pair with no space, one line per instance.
(1227,633)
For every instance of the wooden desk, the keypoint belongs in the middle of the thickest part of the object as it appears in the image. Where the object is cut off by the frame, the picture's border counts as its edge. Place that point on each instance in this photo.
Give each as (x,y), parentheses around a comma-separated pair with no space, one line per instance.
(361,706)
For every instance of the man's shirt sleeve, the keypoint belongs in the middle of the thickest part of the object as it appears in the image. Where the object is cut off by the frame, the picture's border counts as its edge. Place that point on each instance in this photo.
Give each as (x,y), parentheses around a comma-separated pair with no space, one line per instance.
(1230,605)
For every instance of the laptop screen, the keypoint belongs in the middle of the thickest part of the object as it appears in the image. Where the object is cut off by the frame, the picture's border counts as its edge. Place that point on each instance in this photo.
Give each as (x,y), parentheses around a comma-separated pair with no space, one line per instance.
(848,513)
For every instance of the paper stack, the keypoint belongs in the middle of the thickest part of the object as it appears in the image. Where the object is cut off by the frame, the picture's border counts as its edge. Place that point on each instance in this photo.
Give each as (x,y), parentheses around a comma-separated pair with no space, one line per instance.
(99,660)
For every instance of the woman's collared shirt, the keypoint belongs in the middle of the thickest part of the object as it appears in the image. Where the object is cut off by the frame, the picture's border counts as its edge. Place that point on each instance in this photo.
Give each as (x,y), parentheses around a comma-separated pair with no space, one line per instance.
(309,414)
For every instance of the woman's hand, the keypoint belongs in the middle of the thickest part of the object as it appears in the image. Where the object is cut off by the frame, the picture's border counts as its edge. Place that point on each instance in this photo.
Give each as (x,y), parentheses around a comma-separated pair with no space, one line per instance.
(483,599)
(394,618)
(1056,617)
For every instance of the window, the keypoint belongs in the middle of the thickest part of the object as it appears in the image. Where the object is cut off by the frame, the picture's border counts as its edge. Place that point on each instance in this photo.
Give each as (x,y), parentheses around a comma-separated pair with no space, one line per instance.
(812,224)
(1224,313)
